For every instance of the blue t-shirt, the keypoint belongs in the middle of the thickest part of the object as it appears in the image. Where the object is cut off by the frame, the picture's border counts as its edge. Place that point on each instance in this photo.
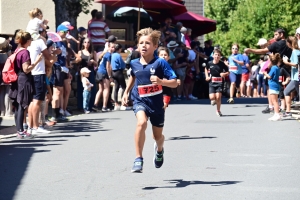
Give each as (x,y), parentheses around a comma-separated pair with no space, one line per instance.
(294,60)
(238,57)
(274,80)
(102,67)
(117,62)
(142,73)
(61,58)
(245,70)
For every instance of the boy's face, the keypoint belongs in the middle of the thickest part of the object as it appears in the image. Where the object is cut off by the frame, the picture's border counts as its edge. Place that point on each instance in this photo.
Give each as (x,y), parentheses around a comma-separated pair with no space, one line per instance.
(146,46)
(217,56)
(164,55)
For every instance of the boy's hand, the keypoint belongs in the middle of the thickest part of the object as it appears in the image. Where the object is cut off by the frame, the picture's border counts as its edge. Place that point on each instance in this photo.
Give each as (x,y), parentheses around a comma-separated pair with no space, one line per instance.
(125,99)
(155,80)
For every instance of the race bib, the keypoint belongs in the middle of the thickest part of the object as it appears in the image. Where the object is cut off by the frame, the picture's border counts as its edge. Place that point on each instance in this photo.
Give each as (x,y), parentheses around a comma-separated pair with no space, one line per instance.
(280,78)
(149,90)
(216,79)
(233,68)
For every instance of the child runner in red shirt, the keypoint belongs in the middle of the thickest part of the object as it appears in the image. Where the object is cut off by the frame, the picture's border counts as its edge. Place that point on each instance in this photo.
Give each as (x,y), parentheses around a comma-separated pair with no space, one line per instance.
(148,75)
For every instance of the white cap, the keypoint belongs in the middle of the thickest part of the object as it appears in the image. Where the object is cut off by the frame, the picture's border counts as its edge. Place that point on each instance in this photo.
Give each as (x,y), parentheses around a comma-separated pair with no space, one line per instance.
(183,29)
(85,70)
(298,30)
(262,41)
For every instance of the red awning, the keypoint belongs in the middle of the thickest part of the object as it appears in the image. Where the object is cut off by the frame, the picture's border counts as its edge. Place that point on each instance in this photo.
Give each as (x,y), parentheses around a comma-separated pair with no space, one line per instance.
(146,4)
(200,25)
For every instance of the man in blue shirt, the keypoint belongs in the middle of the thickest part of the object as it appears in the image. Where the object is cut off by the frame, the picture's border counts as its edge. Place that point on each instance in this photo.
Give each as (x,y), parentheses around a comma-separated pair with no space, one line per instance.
(148,75)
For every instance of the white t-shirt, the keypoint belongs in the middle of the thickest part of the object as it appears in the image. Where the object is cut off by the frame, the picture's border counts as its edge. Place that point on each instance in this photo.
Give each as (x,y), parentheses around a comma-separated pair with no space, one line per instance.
(33,25)
(35,49)
(84,81)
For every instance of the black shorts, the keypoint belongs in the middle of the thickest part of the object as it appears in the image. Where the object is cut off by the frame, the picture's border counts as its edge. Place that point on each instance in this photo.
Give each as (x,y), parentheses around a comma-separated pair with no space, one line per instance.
(40,87)
(155,119)
(100,77)
(59,77)
(215,89)
(281,93)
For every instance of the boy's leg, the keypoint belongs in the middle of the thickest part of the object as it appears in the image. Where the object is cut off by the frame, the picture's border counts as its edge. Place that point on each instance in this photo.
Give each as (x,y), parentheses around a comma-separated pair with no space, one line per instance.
(158,137)
(140,136)
(218,100)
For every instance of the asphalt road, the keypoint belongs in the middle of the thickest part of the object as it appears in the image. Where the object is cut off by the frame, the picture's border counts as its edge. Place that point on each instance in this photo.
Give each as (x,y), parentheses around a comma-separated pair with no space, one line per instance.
(239,156)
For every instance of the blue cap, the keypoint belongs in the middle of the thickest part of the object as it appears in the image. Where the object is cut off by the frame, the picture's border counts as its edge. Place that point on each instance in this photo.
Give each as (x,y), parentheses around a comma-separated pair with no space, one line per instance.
(80,29)
(62,28)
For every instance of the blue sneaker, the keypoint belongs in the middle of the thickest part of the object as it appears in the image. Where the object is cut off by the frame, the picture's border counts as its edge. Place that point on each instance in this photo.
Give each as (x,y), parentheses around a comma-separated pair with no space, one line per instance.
(137,165)
(158,159)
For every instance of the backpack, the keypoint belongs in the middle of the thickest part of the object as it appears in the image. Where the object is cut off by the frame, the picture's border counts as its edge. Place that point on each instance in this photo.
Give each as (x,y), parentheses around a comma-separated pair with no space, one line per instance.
(8,74)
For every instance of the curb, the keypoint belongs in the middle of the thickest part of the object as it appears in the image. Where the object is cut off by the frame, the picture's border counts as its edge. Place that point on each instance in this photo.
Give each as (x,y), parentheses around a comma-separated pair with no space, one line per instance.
(8,132)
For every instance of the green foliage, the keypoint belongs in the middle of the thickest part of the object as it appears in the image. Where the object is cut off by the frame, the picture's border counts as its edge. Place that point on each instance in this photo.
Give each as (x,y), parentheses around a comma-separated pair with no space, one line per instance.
(249,20)
(85,4)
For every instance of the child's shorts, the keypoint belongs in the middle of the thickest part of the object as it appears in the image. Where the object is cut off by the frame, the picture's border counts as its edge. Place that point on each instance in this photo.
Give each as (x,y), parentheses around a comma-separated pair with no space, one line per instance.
(273,92)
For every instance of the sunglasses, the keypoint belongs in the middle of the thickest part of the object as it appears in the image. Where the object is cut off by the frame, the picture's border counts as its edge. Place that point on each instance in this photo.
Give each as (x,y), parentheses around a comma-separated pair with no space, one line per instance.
(64,31)
(235,49)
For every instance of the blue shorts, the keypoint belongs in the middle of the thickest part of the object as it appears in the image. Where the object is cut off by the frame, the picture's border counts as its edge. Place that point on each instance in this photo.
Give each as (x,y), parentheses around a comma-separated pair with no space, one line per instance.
(40,87)
(235,78)
(155,119)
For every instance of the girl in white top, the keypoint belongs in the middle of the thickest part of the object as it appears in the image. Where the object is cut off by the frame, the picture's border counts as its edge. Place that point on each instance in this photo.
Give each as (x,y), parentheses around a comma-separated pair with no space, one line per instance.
(36,23)
(85,73)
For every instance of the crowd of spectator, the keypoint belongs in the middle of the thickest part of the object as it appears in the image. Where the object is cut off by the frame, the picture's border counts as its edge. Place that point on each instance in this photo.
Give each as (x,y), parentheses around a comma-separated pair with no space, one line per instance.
(44,70)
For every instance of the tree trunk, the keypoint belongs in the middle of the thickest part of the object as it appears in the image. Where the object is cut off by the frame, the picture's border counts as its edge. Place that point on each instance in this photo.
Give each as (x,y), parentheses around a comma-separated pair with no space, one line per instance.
(68,10)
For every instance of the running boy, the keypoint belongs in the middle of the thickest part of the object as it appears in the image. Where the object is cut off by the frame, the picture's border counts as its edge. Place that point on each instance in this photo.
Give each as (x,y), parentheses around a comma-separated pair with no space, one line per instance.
(147,79)
(218,71)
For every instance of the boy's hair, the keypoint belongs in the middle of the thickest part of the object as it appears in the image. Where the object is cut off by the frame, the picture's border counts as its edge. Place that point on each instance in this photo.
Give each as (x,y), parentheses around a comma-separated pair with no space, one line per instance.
(35,13)
(163,49)
(154,34)
(275,58)
(293,41)
(217,51)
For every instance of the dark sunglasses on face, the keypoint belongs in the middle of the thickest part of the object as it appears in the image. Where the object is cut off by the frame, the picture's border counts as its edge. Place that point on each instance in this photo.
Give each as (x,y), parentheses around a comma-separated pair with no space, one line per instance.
(64,31)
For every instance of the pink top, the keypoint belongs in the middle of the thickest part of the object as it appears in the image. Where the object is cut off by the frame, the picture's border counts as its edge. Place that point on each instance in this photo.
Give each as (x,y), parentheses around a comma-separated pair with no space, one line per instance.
(265,66)
(187,41)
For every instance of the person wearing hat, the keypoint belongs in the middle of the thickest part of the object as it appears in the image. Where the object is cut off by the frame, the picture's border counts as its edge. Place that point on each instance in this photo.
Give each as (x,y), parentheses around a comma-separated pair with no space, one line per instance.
(60,74)
(262,42)
(85,73)
(81,36)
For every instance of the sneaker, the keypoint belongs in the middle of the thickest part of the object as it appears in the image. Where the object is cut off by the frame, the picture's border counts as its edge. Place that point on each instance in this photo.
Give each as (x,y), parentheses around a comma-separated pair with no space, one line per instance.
(287,115)
(192,97)
(62,118)
(212,102)
(53,119)
(41,129)
(50,123)
(267,110)
(24,135)
(61,111)
(86,111)
(275,118)
(230,100)
(95,108)
(117,108)
(67,114)
(137,165)
(158,159)
(219,113)
(105,109)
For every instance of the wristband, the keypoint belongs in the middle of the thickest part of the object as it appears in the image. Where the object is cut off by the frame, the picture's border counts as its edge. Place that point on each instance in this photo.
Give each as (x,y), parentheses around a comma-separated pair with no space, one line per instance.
(167,99)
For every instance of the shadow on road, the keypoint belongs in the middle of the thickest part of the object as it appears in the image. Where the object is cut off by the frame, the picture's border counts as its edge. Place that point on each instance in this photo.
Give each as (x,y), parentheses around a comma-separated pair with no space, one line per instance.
(15,155)
(224,101)
(179,183)
(186,137)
